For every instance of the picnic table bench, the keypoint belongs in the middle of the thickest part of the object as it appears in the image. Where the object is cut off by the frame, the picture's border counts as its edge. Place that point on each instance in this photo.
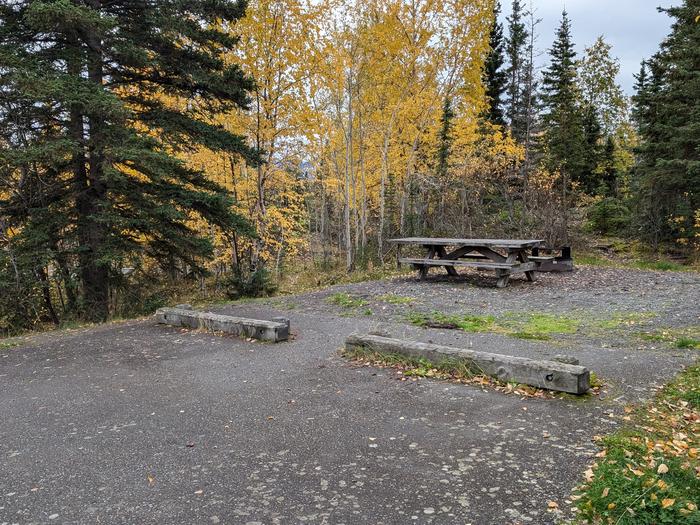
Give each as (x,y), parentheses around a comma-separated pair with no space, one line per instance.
(505,256)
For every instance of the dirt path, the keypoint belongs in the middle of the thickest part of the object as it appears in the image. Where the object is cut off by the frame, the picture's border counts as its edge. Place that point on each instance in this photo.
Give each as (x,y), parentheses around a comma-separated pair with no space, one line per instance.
(134,422)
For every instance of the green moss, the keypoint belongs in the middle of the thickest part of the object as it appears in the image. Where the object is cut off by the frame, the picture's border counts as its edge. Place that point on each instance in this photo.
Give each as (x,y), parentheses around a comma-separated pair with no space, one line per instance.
(346,300)
(550,324)
(532,326)
(396,299)
(466,323)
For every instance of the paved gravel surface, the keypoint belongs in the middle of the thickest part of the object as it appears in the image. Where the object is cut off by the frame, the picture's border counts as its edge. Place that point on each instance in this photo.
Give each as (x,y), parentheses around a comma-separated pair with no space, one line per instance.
(139,423)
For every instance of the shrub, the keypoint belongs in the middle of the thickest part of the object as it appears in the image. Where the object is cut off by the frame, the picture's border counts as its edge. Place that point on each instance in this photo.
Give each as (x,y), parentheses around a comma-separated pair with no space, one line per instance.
(258,283)
(609,217)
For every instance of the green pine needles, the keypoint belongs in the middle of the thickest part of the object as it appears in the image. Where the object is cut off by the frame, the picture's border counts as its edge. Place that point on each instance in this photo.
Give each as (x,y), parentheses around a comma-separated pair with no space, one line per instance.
(97,99)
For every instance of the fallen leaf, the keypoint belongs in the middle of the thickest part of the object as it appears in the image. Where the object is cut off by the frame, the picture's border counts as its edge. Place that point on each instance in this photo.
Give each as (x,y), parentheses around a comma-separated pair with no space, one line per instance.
(663,468)
(605,493)
(553,505)
(151,480)
(667,502)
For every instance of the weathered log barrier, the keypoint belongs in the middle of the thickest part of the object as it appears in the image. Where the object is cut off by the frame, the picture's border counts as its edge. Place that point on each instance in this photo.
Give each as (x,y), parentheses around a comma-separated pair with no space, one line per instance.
(274,331)
(551,375)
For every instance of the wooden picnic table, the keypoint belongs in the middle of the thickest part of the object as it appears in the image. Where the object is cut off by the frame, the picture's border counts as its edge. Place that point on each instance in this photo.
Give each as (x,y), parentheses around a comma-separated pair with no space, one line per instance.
(505,256)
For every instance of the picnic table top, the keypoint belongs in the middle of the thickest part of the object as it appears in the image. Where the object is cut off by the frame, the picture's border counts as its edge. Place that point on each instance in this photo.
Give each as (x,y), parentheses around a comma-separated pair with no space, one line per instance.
(498,243)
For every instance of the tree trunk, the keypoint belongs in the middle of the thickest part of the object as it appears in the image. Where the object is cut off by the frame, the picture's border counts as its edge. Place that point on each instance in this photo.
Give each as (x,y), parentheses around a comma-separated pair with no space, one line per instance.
(349,263)
(91,192)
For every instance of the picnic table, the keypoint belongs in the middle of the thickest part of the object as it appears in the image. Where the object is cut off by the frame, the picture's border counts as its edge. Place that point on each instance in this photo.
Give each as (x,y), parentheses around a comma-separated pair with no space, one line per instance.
(505,256)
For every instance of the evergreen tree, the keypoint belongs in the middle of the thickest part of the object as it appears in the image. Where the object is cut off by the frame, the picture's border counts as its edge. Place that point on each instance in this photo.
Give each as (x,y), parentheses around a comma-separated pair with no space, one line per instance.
(495,77)
(515,45)
(667,109)
(445,140)
(607,168)
(593,137)
(564,140)
(529,108)
(98,98)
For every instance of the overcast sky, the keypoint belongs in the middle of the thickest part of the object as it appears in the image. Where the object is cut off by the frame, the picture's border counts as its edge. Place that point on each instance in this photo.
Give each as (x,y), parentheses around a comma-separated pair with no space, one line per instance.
(633,27)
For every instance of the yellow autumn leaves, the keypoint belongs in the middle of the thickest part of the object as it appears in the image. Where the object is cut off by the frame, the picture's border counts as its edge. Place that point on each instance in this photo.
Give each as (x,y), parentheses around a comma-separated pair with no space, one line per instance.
(346,112)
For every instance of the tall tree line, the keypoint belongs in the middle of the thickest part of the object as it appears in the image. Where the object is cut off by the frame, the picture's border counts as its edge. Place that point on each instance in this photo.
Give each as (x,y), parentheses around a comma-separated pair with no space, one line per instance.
(97,99)
(147,144)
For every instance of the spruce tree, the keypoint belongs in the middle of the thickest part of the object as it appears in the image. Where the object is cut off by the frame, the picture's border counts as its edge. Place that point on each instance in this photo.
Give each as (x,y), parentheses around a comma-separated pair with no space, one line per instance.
(564,140)
(515,46)
(97,100)
(495,76)
(593,137)
(667,109)
(445,139)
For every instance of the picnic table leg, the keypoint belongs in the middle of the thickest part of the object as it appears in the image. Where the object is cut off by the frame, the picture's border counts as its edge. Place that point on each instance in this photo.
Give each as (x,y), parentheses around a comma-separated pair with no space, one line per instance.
(504,275)
(442,254)
(503,278)
(398,255)
(423,268)
(522,257)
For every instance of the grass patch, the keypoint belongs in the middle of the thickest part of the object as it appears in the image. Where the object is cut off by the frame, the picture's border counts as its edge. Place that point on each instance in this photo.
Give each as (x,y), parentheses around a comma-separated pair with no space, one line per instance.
(345,300)
(683,338)
(537,326)
(396,299)
(647,472)
(542,325)
(687,342)
(660,266)
(8,344)
(466,323)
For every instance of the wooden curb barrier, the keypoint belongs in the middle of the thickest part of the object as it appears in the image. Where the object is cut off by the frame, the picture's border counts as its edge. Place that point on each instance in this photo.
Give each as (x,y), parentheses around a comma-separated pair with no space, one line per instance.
(274,331)
(551,375)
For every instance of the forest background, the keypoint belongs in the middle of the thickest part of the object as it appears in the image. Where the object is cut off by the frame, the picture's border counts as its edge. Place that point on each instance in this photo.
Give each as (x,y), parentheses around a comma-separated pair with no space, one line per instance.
(159,152)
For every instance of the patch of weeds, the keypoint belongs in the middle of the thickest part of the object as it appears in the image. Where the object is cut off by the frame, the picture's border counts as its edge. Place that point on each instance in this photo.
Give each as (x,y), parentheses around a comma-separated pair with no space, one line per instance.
(466,323)
(537,327)
(367,311)
(396,299)
(687,342)
(345,300)
(653,336)
(684,338)
(8,344)
(646,472)
(660,266)
(595,381)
